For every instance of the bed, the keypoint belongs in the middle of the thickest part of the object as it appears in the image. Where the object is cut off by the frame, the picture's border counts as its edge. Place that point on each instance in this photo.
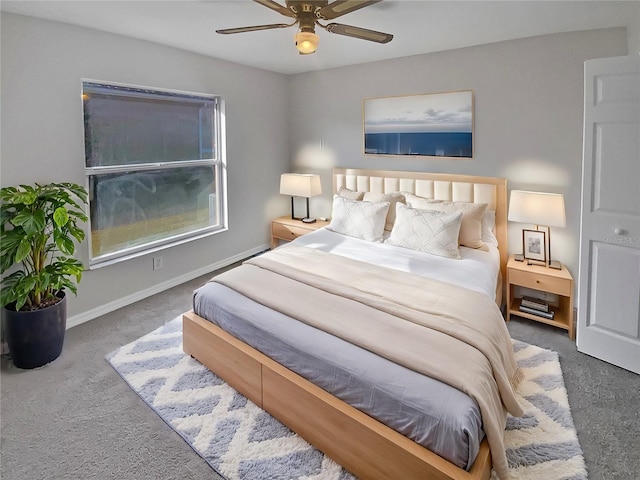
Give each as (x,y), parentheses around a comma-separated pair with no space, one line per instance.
(358,438)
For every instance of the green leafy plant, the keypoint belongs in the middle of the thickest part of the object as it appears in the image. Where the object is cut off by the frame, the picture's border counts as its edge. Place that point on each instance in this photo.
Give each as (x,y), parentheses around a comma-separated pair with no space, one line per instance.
(38,227)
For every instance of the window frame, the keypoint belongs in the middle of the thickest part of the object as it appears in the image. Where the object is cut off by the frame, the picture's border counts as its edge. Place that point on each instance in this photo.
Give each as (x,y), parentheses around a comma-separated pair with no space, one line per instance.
(218,164)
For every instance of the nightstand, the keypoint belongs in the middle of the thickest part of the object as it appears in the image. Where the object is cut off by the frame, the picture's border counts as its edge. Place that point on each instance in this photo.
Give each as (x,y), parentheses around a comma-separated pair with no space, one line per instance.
(287,229)
(543,279)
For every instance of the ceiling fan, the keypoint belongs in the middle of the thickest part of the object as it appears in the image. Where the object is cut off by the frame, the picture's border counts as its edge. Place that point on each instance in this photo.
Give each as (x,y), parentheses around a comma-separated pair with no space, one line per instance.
(308,13)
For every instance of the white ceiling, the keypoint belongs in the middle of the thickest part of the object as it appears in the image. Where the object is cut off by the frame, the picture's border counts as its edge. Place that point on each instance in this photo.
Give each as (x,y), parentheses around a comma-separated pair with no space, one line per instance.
(418,26)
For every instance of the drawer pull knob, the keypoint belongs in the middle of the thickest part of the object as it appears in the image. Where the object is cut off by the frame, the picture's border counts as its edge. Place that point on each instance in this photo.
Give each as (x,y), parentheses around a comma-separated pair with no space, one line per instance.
(537,281)
(619,231)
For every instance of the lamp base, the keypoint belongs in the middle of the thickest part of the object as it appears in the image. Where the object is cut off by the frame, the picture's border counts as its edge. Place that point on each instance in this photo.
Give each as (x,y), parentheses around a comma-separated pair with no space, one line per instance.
(536,262)
(302,219)
(555,264)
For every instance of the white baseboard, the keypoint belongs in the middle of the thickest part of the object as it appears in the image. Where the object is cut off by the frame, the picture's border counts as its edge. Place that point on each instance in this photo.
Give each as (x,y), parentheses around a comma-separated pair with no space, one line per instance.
(137,296)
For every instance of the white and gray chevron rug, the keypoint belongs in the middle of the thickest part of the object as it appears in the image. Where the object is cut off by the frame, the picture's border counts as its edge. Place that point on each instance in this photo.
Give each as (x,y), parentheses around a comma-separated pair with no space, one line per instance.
(241,441)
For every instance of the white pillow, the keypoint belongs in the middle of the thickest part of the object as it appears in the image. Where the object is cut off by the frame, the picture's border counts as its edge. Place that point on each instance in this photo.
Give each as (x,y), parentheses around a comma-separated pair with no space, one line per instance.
(427,231)
(488,225)
(471,228)
(392,198)
(350,194)
(363,220)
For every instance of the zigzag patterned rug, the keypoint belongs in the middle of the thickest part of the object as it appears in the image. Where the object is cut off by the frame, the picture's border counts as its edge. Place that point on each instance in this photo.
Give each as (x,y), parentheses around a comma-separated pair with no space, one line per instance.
(241,441)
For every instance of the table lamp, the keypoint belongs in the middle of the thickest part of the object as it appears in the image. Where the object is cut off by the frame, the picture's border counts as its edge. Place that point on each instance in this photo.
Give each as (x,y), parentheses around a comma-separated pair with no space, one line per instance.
(300,185)
(539,209)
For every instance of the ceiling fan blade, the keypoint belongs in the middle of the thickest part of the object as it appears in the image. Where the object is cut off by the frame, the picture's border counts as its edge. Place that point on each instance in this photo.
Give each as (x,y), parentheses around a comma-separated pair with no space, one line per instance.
(277,7)
(342,7)
(255,28)
(357,32)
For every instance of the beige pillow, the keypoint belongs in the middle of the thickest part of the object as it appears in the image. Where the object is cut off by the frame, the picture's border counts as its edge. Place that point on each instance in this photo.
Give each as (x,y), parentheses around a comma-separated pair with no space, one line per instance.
(427,231)
(392,198)
(488,228)
(472,215)
(350,194)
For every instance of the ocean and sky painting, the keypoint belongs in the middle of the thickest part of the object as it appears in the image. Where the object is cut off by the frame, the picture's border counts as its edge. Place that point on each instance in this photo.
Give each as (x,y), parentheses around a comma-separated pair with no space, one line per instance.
(434,125)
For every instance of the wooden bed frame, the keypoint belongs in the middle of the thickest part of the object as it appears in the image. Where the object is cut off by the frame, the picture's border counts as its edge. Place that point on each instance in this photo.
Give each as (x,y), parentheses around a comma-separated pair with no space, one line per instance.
(364,446)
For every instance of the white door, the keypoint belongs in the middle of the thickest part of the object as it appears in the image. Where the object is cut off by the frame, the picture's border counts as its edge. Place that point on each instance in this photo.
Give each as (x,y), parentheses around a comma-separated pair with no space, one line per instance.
(609,278)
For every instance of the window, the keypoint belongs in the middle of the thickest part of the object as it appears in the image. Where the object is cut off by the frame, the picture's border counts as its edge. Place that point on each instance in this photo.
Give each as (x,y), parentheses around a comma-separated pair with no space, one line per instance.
(154,161)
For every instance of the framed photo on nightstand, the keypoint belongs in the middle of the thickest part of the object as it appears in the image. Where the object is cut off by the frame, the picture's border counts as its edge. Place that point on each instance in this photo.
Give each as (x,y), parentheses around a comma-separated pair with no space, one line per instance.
(534,245)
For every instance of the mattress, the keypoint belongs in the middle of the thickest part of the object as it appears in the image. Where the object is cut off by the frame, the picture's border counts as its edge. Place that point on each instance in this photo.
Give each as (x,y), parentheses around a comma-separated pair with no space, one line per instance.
(435,415)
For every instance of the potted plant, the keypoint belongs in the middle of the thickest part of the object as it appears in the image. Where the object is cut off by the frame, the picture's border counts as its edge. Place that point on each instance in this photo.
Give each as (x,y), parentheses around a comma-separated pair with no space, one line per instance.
(38,226)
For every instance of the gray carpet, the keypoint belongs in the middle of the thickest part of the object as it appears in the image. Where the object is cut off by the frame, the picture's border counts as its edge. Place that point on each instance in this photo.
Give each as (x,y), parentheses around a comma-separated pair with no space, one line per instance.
(242,442)
(77,419)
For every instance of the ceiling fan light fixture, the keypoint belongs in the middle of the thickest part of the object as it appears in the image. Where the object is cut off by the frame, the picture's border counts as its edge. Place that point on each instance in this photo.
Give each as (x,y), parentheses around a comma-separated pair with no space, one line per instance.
(307,42)
(306,15)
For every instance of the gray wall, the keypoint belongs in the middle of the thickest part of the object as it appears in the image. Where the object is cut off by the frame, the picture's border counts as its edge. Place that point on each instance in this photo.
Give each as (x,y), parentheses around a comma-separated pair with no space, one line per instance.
(42,140)
(528,128)
(528,117)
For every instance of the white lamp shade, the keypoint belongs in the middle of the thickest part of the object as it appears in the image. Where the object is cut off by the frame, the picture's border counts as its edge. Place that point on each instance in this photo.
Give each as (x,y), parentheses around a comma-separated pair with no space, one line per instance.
(300,185)
(537,208)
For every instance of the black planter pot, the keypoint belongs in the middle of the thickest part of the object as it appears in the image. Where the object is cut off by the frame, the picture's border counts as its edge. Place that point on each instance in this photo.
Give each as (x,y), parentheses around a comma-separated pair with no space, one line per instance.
(36,338)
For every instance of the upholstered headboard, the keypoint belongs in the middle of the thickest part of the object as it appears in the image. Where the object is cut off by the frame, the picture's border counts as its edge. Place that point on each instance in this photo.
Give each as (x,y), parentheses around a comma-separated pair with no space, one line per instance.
(439,186)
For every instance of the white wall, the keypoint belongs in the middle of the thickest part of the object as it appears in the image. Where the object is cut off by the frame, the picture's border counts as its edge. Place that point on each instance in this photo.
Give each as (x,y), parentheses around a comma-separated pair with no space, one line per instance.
(528,117)
(42,139)
(633,34)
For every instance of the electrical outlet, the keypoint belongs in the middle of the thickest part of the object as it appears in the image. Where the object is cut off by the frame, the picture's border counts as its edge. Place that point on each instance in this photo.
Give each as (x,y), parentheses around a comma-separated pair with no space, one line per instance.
(157,263)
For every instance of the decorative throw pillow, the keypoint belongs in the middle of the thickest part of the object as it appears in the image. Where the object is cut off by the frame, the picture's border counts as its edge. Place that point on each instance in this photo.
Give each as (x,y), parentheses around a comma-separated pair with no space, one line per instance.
(363,220)
(472,214)
(393,198)
(427,231)
(350,194)
(488,226)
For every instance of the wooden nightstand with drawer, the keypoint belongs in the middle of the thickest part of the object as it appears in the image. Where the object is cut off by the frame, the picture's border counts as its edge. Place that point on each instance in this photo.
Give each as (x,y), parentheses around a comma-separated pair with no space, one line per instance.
(287,229)
(542,279)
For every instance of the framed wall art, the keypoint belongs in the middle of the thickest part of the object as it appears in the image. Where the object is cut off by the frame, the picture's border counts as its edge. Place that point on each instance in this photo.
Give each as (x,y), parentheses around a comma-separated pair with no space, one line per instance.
(535,245)
(429,125)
